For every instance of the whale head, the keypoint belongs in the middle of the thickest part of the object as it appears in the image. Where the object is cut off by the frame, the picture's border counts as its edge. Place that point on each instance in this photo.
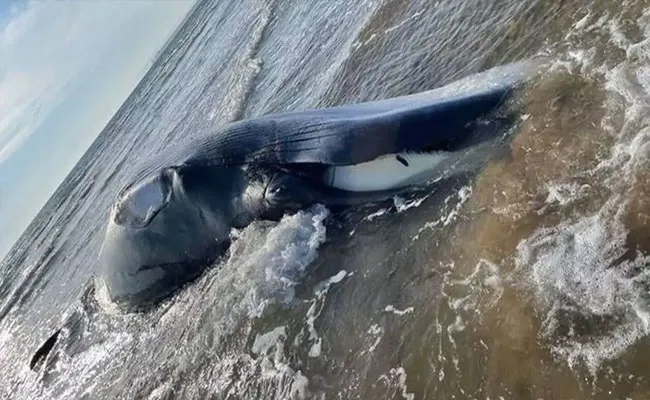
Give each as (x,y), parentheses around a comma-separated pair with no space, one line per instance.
(164,230)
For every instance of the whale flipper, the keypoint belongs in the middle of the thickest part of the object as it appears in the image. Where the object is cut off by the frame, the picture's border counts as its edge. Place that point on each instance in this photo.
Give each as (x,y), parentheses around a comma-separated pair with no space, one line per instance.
(44,350)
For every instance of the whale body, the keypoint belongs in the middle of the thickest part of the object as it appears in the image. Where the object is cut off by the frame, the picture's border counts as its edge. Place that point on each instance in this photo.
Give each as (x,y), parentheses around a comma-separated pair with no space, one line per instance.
(176,215)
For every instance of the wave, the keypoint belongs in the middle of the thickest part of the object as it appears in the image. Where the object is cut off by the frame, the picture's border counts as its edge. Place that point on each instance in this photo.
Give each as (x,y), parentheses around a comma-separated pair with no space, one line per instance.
(565,216)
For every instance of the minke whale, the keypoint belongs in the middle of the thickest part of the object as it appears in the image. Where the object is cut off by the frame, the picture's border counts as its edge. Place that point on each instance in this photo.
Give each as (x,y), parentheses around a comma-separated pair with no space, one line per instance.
(176,216)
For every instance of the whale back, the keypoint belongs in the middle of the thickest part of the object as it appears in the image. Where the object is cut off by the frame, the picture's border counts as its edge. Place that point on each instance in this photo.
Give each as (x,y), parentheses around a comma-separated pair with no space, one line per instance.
(442,119)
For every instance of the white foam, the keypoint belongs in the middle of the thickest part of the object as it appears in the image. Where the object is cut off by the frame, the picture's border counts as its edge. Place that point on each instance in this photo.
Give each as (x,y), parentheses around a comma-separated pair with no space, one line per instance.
(376,331)
(445,219)
(484,287)
(324,286)
(376,214)
(103,298)
(266,262)
(398,374)
(563,193)
(580,270)
(273,366)
(263,343)
(316,341)
(320,291)
(402,205)
(405,21)
(577,267)
(391,309)
(161,392)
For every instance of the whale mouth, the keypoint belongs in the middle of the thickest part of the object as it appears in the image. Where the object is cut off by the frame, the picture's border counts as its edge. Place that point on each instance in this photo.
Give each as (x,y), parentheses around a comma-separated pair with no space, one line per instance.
(166,280)
(139,204)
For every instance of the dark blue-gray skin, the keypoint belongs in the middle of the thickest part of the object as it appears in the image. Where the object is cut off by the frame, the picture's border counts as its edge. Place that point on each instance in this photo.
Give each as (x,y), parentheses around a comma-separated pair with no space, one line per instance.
(176,216)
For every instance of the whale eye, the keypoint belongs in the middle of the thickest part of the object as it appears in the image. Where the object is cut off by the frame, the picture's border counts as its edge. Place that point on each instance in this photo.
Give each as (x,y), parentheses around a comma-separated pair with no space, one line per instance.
(137,206)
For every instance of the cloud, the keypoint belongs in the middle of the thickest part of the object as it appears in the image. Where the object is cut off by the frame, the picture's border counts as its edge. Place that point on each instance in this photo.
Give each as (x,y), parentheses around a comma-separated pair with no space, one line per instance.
(46,48)
(65,68)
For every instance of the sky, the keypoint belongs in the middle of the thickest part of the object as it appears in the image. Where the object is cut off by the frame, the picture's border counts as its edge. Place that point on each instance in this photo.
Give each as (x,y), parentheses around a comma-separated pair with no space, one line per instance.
(65,69)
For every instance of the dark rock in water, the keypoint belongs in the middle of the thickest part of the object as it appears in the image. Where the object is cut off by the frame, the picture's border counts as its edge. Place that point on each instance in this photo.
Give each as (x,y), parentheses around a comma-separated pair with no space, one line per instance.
(44,350)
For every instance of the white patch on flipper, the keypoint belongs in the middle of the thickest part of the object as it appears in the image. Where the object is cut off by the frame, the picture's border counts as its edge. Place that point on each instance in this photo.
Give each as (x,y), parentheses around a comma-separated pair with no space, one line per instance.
(386,172)
(394,171)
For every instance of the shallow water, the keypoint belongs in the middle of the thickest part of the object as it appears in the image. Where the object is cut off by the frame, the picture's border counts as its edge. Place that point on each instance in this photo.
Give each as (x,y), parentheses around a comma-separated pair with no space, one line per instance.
(527,280)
